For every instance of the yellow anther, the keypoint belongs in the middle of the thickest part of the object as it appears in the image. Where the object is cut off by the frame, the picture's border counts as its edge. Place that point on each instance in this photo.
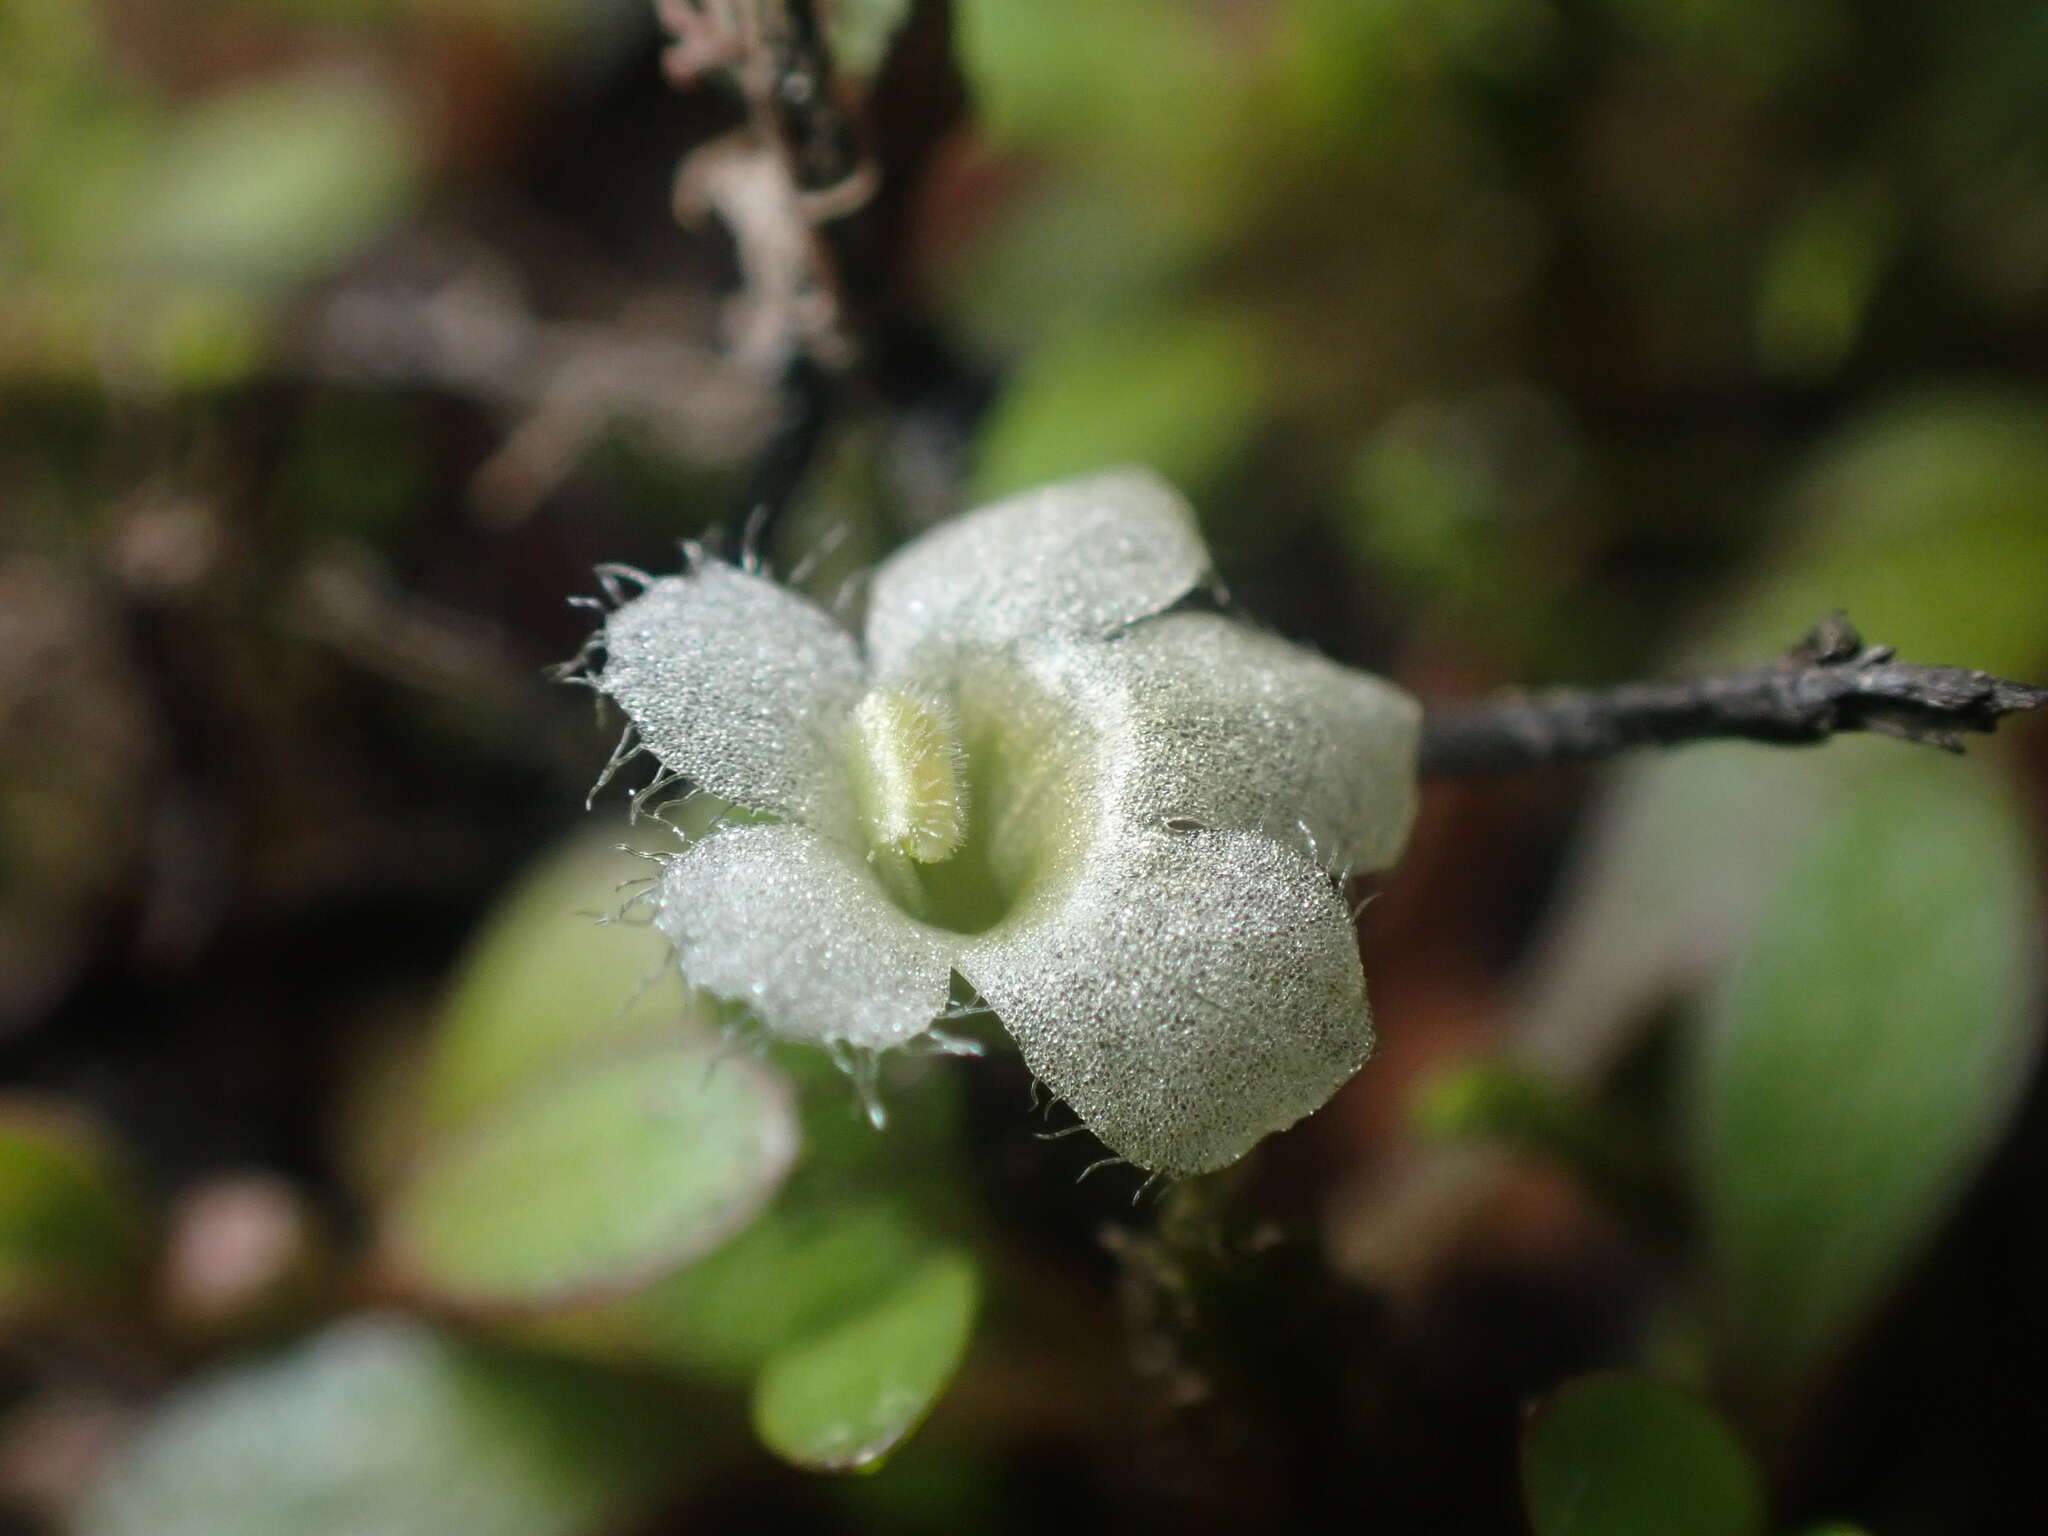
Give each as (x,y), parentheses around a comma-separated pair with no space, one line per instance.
(911,775)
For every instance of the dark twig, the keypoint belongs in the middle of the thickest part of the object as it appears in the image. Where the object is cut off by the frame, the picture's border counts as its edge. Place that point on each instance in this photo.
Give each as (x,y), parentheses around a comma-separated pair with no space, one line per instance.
(818,137)
(819,189)
(798,168)
(1830,682)
(791,450)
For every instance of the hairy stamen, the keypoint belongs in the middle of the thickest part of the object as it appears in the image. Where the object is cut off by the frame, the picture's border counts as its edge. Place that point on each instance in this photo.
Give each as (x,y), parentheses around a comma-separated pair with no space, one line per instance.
(911,775)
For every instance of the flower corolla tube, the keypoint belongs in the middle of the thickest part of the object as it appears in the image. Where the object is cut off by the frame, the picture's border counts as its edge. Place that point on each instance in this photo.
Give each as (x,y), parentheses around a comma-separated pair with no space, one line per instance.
(1123,819)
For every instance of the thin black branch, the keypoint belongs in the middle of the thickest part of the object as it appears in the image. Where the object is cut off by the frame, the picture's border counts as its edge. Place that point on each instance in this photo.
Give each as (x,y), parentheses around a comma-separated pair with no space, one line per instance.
(817,135)
(780,184)
(792,448)
(819,190)
(1830,682)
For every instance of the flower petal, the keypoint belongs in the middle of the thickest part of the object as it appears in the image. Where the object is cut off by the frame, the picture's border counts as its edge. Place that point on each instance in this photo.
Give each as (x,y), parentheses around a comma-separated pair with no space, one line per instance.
(738,684)
(1083,556)
(1188,994)
(778,918)
(1223,724)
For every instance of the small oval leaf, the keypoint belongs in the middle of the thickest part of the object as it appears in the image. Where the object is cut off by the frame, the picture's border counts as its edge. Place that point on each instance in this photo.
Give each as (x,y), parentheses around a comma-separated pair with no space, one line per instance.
(1862,1055)
(1622,1455)
(381,1425)
(597,1182)
(847,1397)
(544,980)
(858,1217)
(792,1275)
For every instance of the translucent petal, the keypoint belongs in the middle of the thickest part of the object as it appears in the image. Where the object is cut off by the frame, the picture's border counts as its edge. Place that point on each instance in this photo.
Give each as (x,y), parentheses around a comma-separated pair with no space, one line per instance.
(777,918)
(1200,718)
(1187,995)
(738,684)
(1080,557)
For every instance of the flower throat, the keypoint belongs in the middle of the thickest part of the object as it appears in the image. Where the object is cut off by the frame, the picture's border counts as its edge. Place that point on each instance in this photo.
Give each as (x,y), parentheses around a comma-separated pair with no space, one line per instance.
(965,799)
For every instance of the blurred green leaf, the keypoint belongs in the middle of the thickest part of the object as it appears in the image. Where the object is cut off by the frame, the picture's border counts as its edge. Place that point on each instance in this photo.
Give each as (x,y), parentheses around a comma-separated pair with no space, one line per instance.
(794,1274)
(1746,44)
(545,979)
(271,184)
(859,1217)
(356,467)
(844,1399)
(1067,73)
(1866,1048)
(74,140)
(1180,396)
(1433,495)
(932,1488)
(381,1425)
(1066,258)
(861,31)
(71,1226)
(1494,1100)
(1820,278)
(1621,1455)
(1924,522)
(1459,498)
(201,338)
(612,1173)
(1982,152)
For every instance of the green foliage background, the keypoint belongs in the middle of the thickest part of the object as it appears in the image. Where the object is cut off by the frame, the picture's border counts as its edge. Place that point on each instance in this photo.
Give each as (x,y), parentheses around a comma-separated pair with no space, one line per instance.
(351,1179)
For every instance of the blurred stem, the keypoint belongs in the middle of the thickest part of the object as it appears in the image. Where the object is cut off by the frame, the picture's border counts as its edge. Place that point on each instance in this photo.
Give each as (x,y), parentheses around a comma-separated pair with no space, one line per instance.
(785,461)
(1615,1160)
(1830,682)
(1194,1214)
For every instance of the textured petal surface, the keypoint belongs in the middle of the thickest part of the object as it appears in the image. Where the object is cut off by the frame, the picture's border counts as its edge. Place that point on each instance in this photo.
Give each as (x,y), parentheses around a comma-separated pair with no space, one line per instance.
(1187,995)
(1080,557)
(777,918)
(1203,718)
(738,684)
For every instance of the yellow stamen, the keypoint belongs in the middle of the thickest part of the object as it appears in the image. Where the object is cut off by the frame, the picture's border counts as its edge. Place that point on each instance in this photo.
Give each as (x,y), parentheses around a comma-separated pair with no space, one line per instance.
(911,775)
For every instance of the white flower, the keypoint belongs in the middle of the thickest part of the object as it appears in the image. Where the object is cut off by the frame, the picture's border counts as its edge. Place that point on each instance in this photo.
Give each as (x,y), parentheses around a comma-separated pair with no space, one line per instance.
(1124,823)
